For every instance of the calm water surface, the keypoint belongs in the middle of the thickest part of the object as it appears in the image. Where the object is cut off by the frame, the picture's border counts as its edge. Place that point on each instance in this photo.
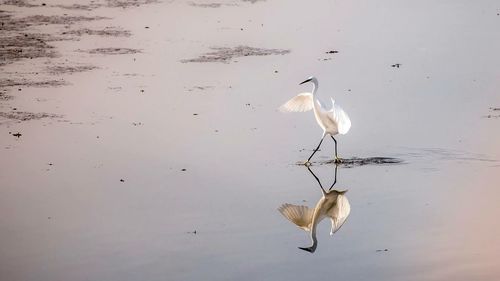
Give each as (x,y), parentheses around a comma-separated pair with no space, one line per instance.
(224,171)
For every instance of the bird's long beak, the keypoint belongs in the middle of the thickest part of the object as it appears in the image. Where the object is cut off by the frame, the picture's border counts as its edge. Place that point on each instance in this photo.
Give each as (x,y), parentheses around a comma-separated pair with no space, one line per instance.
(305,81)
(308,249)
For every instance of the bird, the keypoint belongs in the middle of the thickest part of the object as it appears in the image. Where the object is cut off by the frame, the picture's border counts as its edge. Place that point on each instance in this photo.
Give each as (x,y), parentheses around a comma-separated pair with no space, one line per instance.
(333,204)
(333,121)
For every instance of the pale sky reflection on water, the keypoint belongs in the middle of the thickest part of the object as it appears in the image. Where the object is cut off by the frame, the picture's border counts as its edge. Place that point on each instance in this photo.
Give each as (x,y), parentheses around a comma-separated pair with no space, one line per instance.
(436,213)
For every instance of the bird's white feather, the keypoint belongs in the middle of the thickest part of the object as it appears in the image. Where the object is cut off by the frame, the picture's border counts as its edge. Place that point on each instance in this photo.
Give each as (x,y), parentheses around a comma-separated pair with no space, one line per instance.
(299,215)
(300,103)
(341,118)
(339,213)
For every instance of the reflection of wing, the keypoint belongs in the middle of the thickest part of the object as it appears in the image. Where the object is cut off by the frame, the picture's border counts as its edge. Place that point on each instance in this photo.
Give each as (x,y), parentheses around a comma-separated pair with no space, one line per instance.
(299,215)
(339,213)
(341,118)
(300,103)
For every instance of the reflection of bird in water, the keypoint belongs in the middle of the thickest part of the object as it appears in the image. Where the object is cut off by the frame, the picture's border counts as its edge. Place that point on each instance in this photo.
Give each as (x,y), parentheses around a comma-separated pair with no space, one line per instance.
(333,121)
(333,204)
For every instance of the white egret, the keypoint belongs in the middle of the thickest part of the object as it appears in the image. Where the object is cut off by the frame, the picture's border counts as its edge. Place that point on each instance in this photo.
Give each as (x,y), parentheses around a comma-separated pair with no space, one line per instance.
(333,204)
(333,121)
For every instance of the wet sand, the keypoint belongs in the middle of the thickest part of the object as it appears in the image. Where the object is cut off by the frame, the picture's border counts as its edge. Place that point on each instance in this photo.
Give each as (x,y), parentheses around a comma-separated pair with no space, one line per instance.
(142,140)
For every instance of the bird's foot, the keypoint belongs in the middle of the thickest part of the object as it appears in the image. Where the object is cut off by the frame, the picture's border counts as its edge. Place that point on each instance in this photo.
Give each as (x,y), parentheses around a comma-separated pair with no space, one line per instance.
(307,163)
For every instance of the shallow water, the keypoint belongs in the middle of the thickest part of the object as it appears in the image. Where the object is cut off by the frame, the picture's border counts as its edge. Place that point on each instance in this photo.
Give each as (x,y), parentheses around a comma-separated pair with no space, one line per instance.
(151,167)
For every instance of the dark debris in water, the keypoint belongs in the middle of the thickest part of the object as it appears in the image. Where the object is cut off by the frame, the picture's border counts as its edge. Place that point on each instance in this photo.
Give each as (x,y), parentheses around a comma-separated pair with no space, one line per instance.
(107,4)
(26,46)
(226,54)
(200,88)
(331,52)
(4,96)
(68,20)
(111,51)
(82,7)
(10,23)
(253,1)
(25,116)
(29,83)
(107,31)
(493,109)
(19,3)
(20,40)
(17,41)
(205,5)
(128,3)
(69,69)
(17,135)
(355,161)
(212,5)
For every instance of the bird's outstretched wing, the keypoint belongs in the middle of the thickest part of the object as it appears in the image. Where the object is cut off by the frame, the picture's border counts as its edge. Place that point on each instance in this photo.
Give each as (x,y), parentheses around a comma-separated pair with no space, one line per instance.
(341,118)
(300,103)
(339,213)
(299,215)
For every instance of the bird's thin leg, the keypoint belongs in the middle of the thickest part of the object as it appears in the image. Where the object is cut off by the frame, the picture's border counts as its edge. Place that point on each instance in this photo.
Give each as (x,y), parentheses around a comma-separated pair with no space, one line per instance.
(335,180)
(316,149)
(317,179)
(337,159)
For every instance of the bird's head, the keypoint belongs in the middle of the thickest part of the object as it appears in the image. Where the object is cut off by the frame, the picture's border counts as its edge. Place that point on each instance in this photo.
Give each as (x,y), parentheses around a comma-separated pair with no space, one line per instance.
(311,249)
(310,79)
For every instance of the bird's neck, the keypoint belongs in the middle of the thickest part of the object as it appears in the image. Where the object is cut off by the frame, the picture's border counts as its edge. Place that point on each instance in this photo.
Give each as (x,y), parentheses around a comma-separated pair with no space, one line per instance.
(316,100)
(313,237)
(315,89)
(316,218)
